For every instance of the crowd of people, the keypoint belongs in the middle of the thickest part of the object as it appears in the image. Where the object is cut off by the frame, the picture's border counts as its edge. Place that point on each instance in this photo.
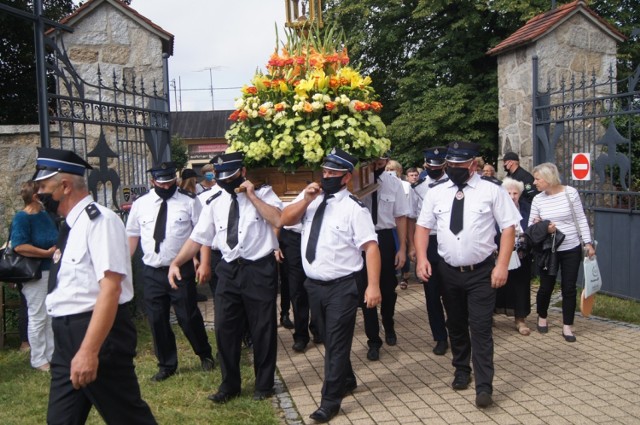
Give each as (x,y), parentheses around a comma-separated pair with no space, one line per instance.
(473,238)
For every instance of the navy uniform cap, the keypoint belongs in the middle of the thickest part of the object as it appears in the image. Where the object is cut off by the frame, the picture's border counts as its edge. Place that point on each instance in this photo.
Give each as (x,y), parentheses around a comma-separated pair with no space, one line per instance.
(187,173)
(339,160)
(228,164)
(458,152)
(511,156)
(53,161)
(164,172)
(435,156)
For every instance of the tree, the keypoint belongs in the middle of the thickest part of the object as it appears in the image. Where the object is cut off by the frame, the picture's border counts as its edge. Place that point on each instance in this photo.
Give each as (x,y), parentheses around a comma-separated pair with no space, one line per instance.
(179,152)
(428,62)
(18,91)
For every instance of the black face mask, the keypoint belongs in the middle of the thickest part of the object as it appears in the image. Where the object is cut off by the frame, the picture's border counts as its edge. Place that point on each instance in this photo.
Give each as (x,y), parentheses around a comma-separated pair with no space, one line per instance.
(166,193)
(458,175)
(50,205)
(331,185)
(231,186)
(435,173)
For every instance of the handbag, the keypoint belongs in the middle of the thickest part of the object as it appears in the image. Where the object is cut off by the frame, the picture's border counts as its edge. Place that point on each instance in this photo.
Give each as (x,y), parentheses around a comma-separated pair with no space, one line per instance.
(16,268)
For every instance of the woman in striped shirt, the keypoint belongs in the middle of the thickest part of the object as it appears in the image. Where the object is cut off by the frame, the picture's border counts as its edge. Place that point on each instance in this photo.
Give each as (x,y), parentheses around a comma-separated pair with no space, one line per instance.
(555,203)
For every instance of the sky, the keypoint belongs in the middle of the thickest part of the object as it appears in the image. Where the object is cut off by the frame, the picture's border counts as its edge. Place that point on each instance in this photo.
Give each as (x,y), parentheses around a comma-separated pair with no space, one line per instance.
(232,37)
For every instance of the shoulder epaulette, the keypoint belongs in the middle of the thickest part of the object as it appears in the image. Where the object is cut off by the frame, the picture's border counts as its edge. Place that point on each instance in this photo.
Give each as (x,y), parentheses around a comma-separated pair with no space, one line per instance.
(434,184)
(92,211)
(205,189)
(357,201)
(186,192)
(492,180)
(418,183)
(214,196)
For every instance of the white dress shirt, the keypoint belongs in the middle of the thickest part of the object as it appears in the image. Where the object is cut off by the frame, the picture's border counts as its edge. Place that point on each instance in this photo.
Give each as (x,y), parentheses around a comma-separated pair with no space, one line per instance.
(256,237)
(183,212)
(93,248)
(419,191)
(204,196)
(485,204)
(346,227)
(392,202)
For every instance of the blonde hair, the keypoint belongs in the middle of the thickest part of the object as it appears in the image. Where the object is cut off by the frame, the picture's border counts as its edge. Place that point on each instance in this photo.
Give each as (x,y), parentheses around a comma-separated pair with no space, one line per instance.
(548,172)
(509,183)
(394,166)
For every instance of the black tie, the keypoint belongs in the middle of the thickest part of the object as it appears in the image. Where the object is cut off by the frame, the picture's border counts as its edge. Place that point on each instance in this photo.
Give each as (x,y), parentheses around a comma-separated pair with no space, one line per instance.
(160,230)
(374,201)
(55,265)
(233,221)
(457,211)
(314,235)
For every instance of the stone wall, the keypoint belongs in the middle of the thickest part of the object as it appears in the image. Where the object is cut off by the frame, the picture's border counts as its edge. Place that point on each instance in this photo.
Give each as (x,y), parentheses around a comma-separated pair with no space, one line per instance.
(575,47)
(18,145)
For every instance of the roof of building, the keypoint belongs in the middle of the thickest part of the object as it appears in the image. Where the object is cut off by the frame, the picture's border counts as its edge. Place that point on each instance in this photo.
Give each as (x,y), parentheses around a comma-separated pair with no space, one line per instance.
(86,8)
(200,124)
(544,23)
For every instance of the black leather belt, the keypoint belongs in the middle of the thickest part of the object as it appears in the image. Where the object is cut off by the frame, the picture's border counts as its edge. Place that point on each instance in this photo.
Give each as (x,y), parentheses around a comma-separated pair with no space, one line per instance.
(80,316)
(333,281)
(489,260)
(244,262)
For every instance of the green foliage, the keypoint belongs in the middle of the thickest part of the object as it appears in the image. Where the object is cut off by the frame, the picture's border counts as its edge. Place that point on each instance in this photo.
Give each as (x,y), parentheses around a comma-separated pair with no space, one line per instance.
(179,153)
(428,62)
(18,91)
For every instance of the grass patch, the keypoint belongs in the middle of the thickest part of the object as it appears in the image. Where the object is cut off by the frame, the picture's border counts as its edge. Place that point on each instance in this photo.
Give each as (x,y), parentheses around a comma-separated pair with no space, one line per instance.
(613,308)
(182,399)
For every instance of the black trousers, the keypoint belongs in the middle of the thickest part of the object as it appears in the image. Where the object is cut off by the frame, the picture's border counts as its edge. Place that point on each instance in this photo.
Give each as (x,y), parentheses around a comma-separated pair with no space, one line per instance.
(216,257)
(388,284)
(246,294)
(569,262)
(333,307)
(115,393)
(292,268)
(433,293)
(469,300)
(158,298)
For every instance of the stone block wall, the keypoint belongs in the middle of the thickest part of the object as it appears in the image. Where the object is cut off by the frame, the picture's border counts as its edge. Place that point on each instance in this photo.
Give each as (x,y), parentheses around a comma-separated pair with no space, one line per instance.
(575,47)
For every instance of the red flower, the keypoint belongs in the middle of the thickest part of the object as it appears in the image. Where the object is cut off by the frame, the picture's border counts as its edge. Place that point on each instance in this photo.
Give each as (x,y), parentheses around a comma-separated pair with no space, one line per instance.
(243,116)
(330,106)
(234,115)
(252,90)
(376,106)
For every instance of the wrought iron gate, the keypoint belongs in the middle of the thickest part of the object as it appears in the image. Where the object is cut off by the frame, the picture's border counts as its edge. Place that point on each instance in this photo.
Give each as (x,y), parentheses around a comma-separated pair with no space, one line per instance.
(584,115)
(118,121)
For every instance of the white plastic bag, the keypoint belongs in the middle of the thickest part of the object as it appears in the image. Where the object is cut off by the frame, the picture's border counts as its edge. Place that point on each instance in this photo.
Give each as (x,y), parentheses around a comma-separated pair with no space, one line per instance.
(592,278)
(514,261)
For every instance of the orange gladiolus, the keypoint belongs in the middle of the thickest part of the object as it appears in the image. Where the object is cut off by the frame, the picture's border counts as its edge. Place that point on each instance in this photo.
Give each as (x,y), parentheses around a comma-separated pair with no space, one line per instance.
(234,115)
(250,90)
(334,82)
(343,57)
(360,106)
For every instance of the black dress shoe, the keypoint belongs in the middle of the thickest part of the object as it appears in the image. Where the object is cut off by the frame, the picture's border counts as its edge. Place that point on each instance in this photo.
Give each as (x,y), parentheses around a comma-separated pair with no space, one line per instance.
(162,375)
(441,348)
(299,346)
(201,297)
(461,381)
(207,364)
(373,354)
(221,397)
(285,322)
(541,329)
(323,414)
(317,339)
(262,395)
(569,338)
(391,338)
(484,399)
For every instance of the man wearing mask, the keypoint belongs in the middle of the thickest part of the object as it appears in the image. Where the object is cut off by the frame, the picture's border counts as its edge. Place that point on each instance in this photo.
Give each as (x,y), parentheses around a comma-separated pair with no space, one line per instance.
(90,288)
(513,169)
(208,181)
(337,229)
(239,220)
(389,208)
(162,220)
(465,210)
(434,158)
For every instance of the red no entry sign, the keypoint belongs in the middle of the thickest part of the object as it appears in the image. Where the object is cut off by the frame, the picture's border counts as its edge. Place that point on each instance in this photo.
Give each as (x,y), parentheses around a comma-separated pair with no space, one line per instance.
(581,166)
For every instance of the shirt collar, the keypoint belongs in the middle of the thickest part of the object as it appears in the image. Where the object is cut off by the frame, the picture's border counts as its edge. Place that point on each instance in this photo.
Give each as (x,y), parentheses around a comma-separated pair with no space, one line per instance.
(75,212)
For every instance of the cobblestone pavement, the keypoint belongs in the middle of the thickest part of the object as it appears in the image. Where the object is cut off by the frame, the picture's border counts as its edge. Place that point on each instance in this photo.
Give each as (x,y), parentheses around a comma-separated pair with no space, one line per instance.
(539,379)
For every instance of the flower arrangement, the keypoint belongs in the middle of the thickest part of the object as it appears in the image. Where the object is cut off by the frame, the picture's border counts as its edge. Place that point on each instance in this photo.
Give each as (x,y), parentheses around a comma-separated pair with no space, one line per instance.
(309,101)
